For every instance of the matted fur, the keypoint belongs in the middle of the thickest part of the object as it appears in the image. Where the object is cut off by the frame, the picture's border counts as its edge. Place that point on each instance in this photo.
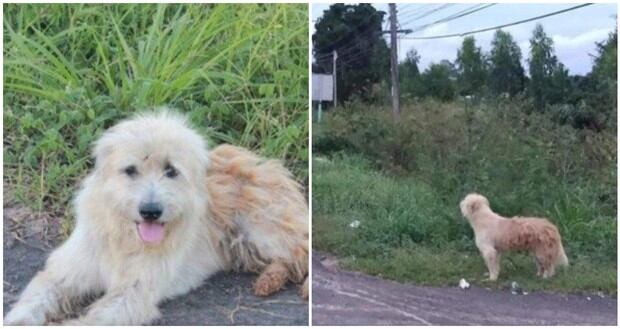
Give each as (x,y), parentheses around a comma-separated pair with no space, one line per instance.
(496,234)
(224,210)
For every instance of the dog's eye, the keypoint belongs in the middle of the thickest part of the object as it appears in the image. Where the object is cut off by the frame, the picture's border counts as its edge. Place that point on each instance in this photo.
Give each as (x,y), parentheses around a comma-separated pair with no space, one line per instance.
(131,171)
(170,171)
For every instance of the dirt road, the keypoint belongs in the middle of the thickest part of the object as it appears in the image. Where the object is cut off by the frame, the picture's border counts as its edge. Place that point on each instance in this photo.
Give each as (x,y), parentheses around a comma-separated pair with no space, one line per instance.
(222,300)
(346,298)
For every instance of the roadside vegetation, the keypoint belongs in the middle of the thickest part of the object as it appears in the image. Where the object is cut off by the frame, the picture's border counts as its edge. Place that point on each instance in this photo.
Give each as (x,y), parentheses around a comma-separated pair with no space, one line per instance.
(401,184)
(240,72)
(535,140)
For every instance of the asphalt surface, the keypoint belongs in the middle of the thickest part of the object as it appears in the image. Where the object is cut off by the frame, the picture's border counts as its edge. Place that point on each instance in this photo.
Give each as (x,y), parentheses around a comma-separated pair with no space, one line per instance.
(225,299)
(348,298)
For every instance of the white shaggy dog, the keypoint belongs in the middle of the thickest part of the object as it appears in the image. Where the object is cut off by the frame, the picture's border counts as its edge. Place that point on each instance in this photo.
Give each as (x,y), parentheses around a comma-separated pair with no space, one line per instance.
(158,215)
(496,234)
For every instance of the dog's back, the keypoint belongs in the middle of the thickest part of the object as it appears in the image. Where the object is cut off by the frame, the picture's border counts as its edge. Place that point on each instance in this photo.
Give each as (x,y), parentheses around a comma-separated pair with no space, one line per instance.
(535,234)
(261,209)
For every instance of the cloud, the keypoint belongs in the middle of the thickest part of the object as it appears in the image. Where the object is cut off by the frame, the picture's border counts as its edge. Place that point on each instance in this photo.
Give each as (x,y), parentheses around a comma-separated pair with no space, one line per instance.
(587,38)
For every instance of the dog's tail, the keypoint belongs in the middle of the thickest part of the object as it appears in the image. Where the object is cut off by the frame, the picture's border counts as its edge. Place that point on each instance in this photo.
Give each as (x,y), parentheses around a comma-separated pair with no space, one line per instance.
(562,259)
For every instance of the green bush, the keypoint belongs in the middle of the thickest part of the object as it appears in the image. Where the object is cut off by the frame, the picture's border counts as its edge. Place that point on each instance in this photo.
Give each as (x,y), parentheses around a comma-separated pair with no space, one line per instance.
(71,70)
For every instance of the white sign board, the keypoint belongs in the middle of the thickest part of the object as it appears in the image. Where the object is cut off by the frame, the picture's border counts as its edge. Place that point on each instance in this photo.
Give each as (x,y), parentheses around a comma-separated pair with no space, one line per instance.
(322,87)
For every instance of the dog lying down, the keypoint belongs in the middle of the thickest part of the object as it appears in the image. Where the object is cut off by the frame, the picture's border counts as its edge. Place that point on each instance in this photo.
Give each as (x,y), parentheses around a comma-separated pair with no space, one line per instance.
(159,214)
(496,234)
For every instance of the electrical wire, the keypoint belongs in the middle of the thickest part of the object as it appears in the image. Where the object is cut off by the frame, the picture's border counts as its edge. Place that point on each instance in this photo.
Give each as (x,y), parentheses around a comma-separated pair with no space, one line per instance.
(352,29)
(428,13)
(462,13)
(499,26)
(408,11)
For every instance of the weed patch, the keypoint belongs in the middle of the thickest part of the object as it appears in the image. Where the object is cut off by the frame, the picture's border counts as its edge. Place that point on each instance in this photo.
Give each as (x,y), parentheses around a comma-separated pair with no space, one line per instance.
(240,72)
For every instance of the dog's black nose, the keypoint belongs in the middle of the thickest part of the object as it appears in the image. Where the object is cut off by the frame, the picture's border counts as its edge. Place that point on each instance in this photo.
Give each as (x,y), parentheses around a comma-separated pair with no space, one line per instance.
(151,211)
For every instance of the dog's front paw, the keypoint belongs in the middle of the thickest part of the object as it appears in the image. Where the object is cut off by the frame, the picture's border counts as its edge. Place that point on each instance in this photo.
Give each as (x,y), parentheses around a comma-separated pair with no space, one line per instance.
(20,316)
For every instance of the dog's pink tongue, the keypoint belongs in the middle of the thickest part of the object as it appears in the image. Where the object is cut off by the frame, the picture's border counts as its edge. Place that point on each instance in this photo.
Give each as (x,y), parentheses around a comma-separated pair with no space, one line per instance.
(151,232)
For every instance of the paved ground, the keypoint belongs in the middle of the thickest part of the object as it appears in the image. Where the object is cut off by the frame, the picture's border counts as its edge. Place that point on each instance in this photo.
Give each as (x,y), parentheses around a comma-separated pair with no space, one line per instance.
(346,298)
(222,300)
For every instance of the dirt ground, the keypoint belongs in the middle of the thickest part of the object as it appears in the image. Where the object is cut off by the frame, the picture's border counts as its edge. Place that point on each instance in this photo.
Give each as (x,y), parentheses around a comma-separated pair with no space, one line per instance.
(224,299)
(348,298)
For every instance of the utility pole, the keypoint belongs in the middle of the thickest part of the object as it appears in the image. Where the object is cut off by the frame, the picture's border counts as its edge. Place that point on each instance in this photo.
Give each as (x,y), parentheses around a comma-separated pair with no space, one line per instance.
(335,81)
(394,62)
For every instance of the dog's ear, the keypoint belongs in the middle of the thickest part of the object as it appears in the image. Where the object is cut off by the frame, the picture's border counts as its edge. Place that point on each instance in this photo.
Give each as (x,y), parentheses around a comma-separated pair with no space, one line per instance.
(103,146)
(474,206)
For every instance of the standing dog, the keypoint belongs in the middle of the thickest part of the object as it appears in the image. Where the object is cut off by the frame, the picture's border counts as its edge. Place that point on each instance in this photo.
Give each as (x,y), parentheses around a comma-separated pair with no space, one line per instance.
(496,234)
(158,215)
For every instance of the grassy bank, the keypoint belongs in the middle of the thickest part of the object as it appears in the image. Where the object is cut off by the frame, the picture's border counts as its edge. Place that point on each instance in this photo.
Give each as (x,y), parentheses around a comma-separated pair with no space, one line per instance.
(70,71)
(403,184)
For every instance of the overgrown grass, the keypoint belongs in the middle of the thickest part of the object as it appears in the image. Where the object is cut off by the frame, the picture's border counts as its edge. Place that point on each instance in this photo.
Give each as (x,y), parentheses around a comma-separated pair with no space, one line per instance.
(403,184)
(70,71)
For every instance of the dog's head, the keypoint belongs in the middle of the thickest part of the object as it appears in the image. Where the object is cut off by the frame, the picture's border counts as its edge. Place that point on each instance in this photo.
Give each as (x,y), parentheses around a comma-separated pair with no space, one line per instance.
(151,172)
(472,203)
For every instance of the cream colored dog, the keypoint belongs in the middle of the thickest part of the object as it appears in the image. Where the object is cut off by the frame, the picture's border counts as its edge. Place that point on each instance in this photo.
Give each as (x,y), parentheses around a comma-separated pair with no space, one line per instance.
(158,215)
(496,234)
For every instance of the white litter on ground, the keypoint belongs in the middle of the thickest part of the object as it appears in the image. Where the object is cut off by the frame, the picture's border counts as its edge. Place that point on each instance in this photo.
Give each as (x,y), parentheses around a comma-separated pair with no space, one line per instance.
(515,289)
(355,224)
(463,284)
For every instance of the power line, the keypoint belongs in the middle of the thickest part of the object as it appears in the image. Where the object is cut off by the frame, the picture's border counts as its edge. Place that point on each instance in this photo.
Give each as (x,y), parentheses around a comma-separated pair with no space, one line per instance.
(351,59)
(348,35)
(407,6)
(427,13)
(410,10)
(462,13)
(497,27)
(351,44)
(342,52)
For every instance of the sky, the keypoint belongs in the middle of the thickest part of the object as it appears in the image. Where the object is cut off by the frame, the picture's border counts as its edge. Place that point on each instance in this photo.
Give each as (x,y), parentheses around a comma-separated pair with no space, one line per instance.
(574,33)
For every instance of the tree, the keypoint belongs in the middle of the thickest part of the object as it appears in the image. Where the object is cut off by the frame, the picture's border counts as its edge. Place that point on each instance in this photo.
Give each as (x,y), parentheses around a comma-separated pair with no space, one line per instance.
(355,32)
(506,73)
(471,70)
(603,80)
(409,74)
(549,80)
(437,82)
(561,87)
(605,72)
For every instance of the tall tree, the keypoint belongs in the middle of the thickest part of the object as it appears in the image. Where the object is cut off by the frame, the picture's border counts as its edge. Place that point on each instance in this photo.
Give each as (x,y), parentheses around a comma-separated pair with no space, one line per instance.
(355,32)
(506,73)
(471,69)
(548,77)
(410,74)
(604,82)
(561,86)
(605,69)
(437,81)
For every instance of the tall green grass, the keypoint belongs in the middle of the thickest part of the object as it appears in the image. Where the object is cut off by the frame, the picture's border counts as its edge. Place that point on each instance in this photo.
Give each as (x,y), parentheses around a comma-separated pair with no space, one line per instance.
(403,183)
(71,70)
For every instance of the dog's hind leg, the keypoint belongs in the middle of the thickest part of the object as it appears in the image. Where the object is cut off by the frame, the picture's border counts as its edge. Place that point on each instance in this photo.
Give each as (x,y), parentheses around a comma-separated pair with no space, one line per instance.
(546,263)
(549,272)
(271,279)
(539,267)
